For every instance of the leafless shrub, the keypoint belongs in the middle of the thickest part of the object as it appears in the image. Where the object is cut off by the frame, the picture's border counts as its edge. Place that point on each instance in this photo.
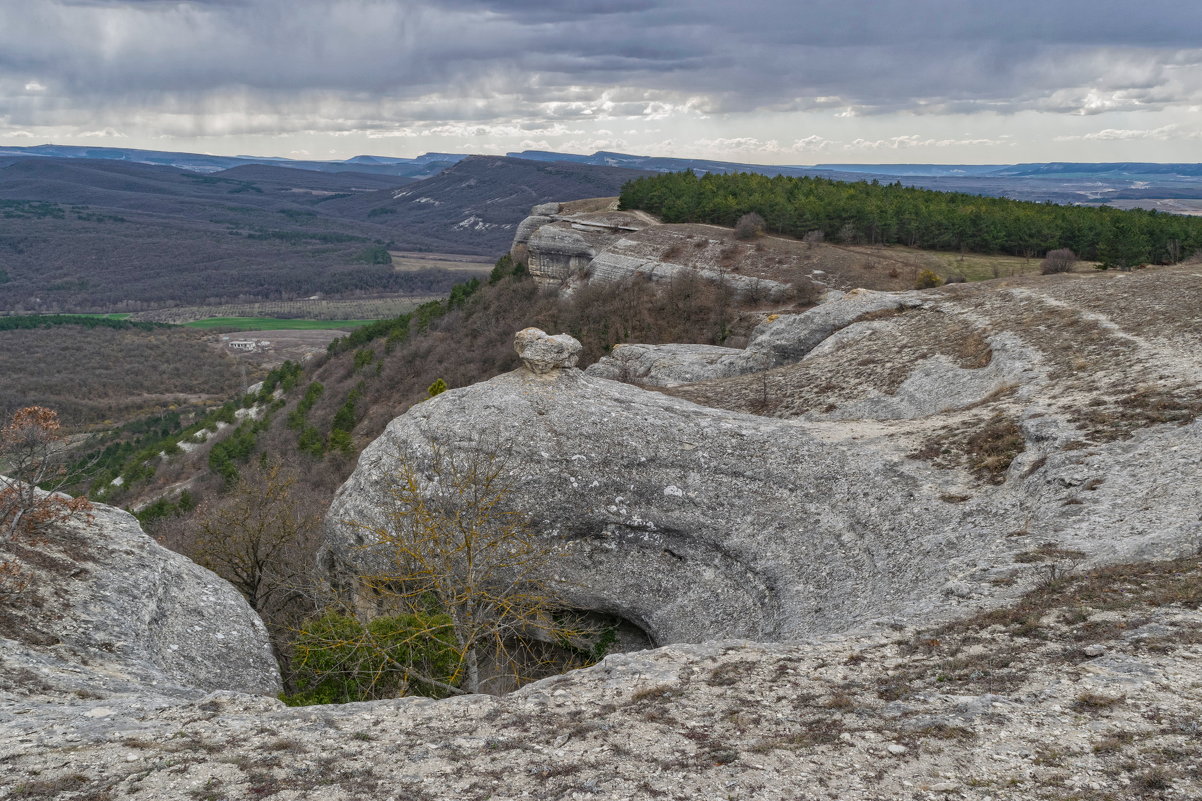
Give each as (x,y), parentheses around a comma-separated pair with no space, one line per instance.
(1060,260)
(749,226)
(31,446)
(455,545)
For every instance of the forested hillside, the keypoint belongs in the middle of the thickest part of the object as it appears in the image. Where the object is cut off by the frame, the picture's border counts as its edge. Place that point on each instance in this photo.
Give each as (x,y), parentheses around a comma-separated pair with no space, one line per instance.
(895,214)
(338,404)
(101,373)
(91,235)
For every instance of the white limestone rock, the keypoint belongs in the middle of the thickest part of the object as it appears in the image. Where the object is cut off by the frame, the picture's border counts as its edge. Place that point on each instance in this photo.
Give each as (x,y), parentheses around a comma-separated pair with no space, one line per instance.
(786,338)
(542,353)
(556,252)
(670,365)
(109,610)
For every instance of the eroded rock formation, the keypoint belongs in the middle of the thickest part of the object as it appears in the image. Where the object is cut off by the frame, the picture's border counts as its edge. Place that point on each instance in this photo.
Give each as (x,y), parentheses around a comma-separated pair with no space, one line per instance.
(910,453)
(565,245)
(97,609)
(541,353)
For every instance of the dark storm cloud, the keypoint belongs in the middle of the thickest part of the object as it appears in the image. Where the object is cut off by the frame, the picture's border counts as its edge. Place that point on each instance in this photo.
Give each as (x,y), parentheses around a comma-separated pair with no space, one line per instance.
(362,64)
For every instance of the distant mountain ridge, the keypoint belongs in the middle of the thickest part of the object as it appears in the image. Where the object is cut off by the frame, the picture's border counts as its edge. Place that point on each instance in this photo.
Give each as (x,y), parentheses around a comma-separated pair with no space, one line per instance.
(420,167)
(429,164)
(1058,182)
(1090,168)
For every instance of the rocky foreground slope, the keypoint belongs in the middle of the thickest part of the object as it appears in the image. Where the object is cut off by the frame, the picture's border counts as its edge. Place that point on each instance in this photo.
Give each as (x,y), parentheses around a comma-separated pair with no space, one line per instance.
(1089,689)
(94,607)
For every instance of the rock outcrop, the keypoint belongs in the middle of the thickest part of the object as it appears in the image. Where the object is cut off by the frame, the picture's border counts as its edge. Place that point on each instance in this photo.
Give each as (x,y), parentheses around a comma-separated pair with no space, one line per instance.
(669,365)
(781,339)
(566,245)
(1085,691)
(916,485)
(97,608)
(541,353)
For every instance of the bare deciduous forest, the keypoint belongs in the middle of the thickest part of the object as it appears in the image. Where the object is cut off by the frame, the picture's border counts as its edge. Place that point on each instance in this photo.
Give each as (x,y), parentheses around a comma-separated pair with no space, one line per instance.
(88,235)
(100,374)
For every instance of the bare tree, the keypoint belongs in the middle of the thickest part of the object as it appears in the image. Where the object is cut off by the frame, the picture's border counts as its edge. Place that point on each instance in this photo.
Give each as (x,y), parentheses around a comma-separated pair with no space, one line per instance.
(32,453)
(749,226)
(260,537)
(458,550)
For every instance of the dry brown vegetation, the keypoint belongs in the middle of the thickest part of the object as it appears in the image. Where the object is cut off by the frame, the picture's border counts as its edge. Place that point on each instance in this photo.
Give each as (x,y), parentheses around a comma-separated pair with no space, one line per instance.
(475,342)
(357,309)
(774,258)
(97,375)
(992,651)
(985,447)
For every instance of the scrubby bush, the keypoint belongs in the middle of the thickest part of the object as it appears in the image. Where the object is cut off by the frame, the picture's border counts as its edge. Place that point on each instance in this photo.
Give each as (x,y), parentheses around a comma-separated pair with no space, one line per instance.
(749,226)
(338,660)
(31,447)
(1060,260)
(927,279)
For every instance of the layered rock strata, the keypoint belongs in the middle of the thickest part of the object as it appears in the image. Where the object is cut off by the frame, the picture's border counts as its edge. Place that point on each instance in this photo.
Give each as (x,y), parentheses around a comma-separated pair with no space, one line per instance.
(563,248)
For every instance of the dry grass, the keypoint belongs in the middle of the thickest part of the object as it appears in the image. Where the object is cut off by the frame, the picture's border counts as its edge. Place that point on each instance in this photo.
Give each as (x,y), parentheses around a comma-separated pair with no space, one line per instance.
(877,363)
(1123,414)
(984,447)
(994,650)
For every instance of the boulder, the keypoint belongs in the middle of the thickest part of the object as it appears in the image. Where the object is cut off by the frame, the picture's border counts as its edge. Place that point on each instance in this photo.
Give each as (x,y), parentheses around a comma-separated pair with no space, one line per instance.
(786,338)
(102,608)
(542,353)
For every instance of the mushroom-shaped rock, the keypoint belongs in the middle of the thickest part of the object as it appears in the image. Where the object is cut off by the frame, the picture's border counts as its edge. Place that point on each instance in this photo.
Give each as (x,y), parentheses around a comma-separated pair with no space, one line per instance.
(542,353)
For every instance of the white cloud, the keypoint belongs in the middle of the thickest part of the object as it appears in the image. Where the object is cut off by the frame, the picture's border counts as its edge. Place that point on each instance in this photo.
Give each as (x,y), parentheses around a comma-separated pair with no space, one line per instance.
(740,144)
(910,141)
(1162,134)
(811,144)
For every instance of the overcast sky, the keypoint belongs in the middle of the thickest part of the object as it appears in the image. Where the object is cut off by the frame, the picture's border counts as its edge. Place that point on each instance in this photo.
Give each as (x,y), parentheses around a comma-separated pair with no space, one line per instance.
(770,81)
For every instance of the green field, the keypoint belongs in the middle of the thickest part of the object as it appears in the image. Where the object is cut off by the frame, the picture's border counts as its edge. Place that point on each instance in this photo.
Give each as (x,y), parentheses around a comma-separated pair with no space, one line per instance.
(111,316)
(274,324)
